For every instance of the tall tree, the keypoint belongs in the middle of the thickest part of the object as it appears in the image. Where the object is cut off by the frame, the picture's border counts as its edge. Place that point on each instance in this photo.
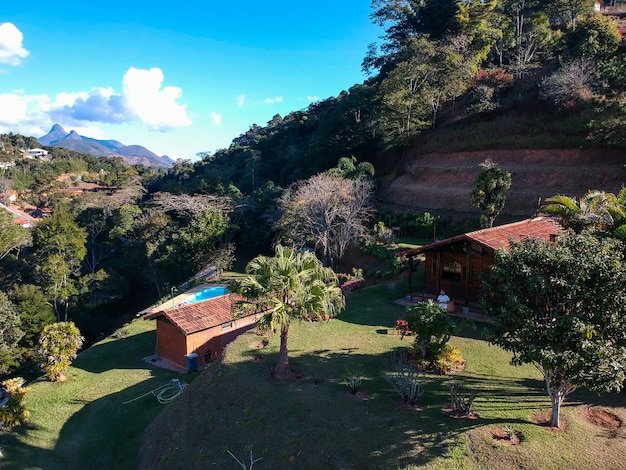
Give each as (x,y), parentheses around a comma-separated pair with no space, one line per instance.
(60,247)
(292,285)
(12,236)
(560,306)
(10,334)
(489,193)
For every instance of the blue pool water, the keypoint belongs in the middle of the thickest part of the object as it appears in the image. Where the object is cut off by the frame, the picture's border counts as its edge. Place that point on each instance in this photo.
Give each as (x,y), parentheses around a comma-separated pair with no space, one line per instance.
(205,294)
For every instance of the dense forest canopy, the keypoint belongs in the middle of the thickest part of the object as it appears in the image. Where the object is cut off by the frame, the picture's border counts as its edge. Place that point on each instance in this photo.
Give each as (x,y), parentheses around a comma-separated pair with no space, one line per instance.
(137,232)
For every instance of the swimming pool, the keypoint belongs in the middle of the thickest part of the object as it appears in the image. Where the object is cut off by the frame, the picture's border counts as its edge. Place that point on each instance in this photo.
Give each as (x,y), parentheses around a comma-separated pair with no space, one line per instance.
(204,294)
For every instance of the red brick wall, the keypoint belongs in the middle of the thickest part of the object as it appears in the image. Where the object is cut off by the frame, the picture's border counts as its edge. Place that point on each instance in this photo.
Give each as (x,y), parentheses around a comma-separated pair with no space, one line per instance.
(216,339)
(173,345)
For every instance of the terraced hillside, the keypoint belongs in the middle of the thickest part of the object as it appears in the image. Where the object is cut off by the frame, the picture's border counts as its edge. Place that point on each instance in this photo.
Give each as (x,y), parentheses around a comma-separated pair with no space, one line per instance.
(443,182)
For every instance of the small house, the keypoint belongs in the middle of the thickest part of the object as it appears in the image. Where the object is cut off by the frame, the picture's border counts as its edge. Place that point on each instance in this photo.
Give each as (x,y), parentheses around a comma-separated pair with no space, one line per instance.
(203,328)
(456,264)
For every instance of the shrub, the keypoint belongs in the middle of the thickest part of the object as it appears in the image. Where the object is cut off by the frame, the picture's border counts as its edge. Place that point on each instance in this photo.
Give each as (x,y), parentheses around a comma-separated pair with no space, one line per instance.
(14,411)
(405,377)
(353,378)
(449,360)
(461,400)
(58,345)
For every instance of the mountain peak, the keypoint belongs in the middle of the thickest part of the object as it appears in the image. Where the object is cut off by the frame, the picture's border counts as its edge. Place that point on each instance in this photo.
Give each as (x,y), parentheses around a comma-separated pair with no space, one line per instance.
(132,154)
(74,135)
(56,133)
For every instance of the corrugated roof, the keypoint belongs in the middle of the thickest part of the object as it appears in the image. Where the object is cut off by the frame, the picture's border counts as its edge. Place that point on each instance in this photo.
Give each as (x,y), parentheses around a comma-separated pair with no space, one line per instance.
(202,315)
(543,228)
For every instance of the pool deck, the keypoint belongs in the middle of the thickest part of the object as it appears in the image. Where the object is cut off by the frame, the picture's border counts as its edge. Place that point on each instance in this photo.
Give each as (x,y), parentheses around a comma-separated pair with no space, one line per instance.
(174,301)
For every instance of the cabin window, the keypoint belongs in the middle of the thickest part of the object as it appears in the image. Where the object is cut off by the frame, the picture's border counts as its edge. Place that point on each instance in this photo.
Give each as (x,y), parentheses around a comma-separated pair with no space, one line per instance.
(227,326)
(452,270)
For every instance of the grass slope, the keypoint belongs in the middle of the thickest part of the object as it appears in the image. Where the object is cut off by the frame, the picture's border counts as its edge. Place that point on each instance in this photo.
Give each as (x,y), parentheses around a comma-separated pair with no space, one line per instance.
(312,422)
(83,422)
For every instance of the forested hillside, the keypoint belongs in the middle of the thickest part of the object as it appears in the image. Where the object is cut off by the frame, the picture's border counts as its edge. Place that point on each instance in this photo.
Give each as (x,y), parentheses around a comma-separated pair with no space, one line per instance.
(536,86)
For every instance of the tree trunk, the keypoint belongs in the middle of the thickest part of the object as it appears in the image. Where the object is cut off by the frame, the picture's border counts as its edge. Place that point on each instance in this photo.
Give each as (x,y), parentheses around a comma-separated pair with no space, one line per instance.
(282,371)
(555,417)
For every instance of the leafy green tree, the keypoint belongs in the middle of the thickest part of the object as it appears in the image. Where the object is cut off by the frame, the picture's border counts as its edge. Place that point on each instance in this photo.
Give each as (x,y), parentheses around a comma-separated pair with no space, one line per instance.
(58,346)
(10,334)
(432,327)
(291,285)
(560,306)
(595,37)
(529,30)
(568,12)
(60,247)
(12,236)
(347,167)
(489,193)
(35,313)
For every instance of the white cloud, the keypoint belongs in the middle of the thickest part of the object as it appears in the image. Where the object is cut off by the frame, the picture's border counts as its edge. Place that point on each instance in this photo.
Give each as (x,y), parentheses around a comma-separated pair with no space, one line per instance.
(13,108)
(241,100)
(143,99)
(278,99)
(312,98)
(11,49)
(155,105)
(217,118)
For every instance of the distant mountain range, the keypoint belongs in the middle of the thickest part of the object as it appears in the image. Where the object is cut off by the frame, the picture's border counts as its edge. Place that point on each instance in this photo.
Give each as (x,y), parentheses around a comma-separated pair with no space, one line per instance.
(132,154)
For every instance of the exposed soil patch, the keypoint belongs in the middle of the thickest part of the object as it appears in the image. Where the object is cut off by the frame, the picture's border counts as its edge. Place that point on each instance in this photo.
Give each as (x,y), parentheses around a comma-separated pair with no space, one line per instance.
(258,344)
(401,405)
(543,419)
(443,182)
(602,418)
(360,394)
(507,437)
(256,358)
(459,414)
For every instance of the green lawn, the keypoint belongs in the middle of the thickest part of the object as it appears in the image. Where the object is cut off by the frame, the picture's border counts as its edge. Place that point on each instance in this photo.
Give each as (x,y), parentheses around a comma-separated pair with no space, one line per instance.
(83,422)
(311,421)
(315,423)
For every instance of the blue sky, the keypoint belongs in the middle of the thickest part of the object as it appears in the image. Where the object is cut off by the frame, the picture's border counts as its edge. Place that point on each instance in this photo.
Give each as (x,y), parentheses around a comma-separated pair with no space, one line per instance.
(178,78)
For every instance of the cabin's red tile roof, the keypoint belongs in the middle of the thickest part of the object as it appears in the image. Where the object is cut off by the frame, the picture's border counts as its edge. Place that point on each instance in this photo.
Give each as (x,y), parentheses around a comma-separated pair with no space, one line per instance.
(543,228)
(202,315)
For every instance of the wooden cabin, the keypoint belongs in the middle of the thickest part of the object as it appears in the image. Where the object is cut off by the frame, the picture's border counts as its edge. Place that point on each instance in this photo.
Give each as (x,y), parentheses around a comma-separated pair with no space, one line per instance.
(202,328)
(456,264)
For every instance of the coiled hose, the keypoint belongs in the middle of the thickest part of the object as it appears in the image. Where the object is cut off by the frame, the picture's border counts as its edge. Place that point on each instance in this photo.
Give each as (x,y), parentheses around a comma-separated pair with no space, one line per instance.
(165,393)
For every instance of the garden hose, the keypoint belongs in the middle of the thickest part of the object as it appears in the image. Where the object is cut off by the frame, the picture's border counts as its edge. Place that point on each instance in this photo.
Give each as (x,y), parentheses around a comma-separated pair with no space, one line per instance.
(165,393)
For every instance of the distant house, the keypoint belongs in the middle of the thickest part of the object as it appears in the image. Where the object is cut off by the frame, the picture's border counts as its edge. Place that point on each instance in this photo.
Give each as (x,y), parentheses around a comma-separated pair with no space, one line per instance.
(37,153)
(456,264)
(11,195)
(203,328)
(23,222)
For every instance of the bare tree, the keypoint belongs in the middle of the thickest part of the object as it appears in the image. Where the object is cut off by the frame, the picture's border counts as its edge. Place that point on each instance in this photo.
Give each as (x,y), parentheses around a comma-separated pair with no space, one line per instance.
(570,83)
(326,213)
(187,205)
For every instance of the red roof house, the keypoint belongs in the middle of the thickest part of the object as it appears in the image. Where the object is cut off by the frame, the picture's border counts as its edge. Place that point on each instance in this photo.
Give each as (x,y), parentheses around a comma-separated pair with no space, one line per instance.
(456,264)
(203,328)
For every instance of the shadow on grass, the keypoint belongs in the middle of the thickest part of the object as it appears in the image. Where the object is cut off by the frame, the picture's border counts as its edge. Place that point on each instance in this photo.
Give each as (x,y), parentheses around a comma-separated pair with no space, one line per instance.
(311,419)
(123,353)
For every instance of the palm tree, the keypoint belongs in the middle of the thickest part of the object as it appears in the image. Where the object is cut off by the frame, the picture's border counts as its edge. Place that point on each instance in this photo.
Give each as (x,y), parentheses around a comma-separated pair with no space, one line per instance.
(593,211)
(292,285)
